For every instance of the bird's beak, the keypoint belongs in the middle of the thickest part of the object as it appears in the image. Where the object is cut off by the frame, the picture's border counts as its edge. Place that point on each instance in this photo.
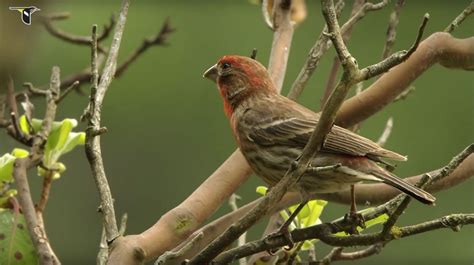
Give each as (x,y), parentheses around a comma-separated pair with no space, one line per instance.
(211,73)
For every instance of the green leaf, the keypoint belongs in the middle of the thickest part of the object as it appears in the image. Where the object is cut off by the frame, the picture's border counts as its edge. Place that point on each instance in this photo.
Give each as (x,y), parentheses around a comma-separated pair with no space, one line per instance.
(262,190)
(61,140)
(6,164)
(25,127)
(6,196)
(16,247)
(316,209)
(20,153)
(307,244)
(74,140)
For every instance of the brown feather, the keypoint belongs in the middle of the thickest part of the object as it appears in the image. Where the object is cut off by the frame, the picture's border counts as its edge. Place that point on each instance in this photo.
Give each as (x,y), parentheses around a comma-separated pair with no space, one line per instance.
(294,125)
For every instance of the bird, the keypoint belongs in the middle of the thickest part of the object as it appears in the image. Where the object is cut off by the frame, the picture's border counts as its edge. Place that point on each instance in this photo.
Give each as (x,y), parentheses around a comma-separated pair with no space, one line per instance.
(272,131)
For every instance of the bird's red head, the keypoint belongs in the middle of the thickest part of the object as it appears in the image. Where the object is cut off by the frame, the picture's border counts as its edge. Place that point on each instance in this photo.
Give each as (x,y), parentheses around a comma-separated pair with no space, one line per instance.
(238,78)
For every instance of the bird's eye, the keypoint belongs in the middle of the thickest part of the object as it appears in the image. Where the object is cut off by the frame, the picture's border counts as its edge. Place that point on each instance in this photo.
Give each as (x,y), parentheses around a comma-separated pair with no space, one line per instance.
(226,66)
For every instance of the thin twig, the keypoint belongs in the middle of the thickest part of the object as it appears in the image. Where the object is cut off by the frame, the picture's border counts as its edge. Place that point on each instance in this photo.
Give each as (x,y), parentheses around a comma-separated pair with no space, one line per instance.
(338,254)
(453,164)
(173,255)
(359,10)
(386,132)
(312,61)
(331,81)
(47,21)
(123,224)
(460,18)
(84,76)
(396,58)
(405,93)
(325,233)
(157,40)
(15,131)
(392,28)
(103,253)
(47,181)
(242,238)
(402,202)
(67,91)
(93,148)
(34,218)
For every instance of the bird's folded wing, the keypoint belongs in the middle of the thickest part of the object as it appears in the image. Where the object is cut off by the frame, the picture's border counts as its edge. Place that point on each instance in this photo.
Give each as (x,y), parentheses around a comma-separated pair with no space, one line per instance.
(295,132)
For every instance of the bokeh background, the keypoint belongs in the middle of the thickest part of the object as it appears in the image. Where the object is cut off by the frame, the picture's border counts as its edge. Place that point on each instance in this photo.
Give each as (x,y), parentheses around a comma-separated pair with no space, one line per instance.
(167,131)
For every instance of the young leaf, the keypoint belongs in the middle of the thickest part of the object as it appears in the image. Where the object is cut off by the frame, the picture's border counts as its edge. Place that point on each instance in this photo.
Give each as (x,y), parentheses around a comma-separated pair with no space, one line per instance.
(262,190)
(6,165)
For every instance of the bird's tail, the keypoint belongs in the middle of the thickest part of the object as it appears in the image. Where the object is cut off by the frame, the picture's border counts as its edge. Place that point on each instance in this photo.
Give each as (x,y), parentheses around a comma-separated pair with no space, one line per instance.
(404,186)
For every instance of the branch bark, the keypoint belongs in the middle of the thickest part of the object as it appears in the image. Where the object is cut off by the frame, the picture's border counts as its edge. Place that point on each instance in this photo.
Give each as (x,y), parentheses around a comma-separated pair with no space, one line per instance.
(439,48)
(281,41)
(394,207)
(93,115)
(33,217)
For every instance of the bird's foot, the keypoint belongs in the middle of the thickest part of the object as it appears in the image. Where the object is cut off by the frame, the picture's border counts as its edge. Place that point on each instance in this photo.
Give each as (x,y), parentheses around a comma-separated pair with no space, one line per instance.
(284,232)
(356,220)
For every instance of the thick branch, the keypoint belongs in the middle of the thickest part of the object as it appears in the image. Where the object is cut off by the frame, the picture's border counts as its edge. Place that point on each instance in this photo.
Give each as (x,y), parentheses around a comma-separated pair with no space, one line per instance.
(281,41)
(438,48)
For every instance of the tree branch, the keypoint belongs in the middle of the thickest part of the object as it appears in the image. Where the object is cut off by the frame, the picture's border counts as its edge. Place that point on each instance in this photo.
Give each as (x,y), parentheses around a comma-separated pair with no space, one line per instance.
(34,219)
(312,61)
(392,28)
(325,232)
(359,10)
(47,22)
(159,39)
(460,18)
(281,44)
(438,48)
(338,254)
(93,115)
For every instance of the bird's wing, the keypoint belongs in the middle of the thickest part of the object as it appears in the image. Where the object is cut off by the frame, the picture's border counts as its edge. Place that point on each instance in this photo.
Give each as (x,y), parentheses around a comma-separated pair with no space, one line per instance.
(295,132)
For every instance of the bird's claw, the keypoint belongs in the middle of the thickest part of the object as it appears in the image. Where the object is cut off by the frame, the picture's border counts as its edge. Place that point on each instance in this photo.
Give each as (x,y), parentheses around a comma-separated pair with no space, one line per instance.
(356,220)
(283,232)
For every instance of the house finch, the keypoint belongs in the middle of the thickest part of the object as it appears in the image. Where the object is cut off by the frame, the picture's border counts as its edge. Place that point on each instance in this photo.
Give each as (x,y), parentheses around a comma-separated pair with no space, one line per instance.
(272,130)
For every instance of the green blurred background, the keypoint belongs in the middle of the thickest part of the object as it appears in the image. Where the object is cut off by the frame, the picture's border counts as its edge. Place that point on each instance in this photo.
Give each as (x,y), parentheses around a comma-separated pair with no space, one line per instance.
(167,131)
